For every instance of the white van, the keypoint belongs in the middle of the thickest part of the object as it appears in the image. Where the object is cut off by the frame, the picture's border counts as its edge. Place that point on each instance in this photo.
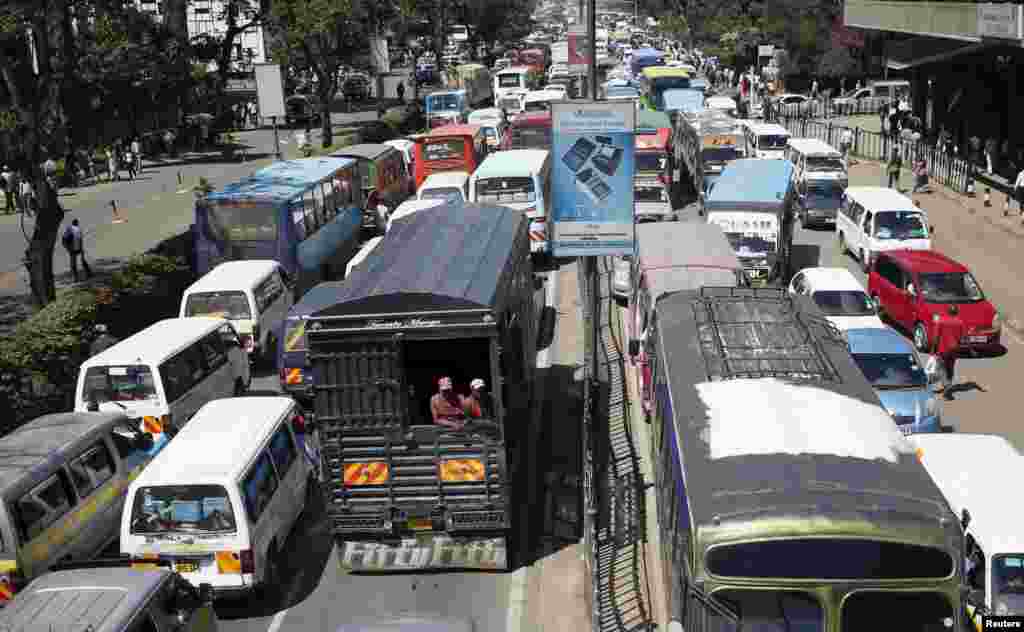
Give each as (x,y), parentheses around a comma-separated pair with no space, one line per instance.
(447,186)
(363,253)
(166,372)
(766,140)
(724,104)
(220,500)
(974,473)
(811,156)
(408,207)
(255,295)
(519,179)
(876,219)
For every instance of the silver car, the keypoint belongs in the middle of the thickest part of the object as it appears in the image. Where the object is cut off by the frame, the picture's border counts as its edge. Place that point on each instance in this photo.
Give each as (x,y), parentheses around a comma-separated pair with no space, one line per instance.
(622,277)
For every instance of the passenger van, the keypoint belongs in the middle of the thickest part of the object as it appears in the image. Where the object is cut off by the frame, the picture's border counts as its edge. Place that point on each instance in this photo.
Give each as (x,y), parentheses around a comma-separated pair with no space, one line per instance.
(876,219)
(166,372)
(519,179)
(254,295)
(62,485)
(766,140)
(446,185)
(972,471)
(814,156)
(221,499)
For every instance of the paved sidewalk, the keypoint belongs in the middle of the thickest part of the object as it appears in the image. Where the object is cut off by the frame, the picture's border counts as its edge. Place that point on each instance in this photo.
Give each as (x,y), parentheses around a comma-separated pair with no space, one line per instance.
(559,592)
(980,237)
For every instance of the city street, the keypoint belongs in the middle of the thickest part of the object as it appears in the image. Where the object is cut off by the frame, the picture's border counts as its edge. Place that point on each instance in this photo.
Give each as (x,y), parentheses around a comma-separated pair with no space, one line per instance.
(547,591)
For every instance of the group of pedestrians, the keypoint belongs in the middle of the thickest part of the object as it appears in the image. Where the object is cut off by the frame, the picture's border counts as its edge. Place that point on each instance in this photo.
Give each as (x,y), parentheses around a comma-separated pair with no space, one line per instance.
(19,194)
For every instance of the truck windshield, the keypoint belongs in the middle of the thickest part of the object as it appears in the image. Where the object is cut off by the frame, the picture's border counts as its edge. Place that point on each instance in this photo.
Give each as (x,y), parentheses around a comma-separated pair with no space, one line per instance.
(453,194)
(501,190)
(913,611)
(825,163)
(509,80)
(438,102)
(257,222)
(170,508)
(772,141)
(775,611)
(891,370)
(1008,584)
(130,383)
(650,161)
(230,305)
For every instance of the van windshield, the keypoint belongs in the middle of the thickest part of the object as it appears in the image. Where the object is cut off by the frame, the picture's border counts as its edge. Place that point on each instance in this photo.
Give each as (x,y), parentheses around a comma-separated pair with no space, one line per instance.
(131,383)
(502,190)
(1008,584)
(230,305)
(825,163)
(192,508)
(900,225)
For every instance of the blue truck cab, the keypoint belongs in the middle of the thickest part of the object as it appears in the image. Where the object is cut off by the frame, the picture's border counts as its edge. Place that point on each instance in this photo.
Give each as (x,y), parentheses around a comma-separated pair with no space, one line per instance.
(753,202)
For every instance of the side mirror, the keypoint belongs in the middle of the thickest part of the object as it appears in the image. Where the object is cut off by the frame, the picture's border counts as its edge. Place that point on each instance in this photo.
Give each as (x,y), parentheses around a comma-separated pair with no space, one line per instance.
(93,404)
(911,290)
(965,518)
(634,347)
(976,598)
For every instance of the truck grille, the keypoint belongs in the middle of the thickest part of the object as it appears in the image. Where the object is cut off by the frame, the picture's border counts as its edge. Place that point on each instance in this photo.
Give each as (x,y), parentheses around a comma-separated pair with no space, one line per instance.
(480,520)
(359,524)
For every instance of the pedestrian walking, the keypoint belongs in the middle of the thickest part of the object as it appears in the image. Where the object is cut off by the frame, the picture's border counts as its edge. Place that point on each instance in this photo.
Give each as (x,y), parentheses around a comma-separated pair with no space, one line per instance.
(72,240)
(846,144)
(857,87)
(113,171)
(920,170)
(7,176)
(400,90)
(990,154)
(814,89)
(50,170)
(136,148)
(893,168)
(949,330)
(102,340)
(129,163)
(168,142)
(27,194)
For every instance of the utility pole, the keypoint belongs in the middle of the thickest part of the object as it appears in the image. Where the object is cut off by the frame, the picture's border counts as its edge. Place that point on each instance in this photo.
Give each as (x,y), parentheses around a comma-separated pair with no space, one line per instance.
(592,39)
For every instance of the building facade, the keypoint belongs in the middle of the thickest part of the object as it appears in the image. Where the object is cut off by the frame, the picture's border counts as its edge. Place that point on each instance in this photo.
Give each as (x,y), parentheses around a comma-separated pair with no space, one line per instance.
(208,17)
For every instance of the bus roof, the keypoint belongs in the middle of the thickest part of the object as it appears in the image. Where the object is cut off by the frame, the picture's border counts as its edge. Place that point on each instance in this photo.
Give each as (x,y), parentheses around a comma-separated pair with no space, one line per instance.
(200,452)
(755,380)
(971,470)
(156,343)
(667,253)
(457,129)
(511,162)
(364,151)
(281,181)
(767,129)
(658,72)
(750,182)
(468,247)
(686,99)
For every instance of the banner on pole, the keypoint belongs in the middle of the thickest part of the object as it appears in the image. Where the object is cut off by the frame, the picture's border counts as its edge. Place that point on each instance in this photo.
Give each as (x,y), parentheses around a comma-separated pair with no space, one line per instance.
(269,90)
(592,177)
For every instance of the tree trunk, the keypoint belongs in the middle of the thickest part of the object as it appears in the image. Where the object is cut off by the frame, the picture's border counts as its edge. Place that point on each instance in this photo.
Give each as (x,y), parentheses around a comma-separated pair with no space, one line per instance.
(39,256)
(326,96)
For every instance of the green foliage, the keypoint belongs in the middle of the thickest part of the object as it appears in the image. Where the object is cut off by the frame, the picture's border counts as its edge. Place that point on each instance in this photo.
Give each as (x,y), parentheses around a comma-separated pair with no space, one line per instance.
(133,276)
(837,62)
(674,26)
(52,336)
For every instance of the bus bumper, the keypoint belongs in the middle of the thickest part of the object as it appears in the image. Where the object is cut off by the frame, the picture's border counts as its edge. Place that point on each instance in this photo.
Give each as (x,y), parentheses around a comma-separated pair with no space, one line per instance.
(426,551)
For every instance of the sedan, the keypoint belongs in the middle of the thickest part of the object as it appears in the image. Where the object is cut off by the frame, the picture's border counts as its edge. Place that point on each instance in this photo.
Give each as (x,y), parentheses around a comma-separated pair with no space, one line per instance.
(622,277)
(839,295)
(797,104)
(557,87)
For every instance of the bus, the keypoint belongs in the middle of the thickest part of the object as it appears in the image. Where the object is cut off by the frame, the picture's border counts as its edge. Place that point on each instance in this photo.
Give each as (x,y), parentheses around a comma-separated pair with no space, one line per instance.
(655,80)
(305,214)
(784,490)
(529,130)
(449,148)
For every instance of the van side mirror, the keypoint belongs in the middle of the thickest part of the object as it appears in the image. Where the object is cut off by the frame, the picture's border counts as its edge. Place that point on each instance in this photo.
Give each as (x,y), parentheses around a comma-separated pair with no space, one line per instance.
(976,598)
(965,518)
(634,347)
(93,405)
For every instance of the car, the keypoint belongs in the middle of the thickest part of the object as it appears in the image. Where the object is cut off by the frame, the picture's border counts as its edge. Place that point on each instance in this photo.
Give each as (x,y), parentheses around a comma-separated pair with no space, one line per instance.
(790,103)
(896,372)
(622,277)
(557,87)
(839,295)
(915,289)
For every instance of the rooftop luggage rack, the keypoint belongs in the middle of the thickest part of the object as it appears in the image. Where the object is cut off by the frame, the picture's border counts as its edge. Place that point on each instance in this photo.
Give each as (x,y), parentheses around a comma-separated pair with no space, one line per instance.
(761,332)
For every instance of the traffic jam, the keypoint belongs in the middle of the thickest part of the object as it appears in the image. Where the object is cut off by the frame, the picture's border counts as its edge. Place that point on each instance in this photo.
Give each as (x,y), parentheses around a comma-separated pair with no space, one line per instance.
(398,302)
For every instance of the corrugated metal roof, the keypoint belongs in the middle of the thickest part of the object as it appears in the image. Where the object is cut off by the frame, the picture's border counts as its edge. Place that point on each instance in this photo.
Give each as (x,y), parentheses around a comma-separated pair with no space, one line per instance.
(446,257)
(365,151)
(751,181)
(281,181)
(670,252)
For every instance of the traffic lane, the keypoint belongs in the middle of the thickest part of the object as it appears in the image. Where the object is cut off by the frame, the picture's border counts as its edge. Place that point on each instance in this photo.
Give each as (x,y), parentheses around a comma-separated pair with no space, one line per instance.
(315,590)
(986,388)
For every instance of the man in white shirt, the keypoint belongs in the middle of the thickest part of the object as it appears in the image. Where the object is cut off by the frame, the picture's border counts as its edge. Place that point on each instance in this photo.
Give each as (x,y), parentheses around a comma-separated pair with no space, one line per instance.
(845,144)
(136,148)
(8,177)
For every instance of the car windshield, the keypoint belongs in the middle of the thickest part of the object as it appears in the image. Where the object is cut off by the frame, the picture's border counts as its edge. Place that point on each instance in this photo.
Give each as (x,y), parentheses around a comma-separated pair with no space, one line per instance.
(650,161)
(176,508)
(1008,584)
(230,305)
(950,287)
(129,383)
(891,370)
(502,190)
(509,80)
(255,222)
(825,163)
(439,102)
(453,194)
(844,303)
(900,225)
(537,106)
(772,141)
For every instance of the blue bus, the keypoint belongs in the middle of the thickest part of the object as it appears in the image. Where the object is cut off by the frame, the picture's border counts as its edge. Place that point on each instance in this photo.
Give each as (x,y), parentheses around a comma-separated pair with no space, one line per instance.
(645,58)
(305,214)
(753,202)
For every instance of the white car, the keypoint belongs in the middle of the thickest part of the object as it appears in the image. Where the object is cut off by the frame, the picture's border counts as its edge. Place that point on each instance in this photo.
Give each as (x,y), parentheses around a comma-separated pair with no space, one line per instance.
(451,186)
(839,295)
(790,103)
(557,87)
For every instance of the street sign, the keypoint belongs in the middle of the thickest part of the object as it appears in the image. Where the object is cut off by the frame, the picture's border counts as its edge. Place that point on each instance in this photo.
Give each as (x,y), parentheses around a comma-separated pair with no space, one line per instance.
(592,178)
(269,90)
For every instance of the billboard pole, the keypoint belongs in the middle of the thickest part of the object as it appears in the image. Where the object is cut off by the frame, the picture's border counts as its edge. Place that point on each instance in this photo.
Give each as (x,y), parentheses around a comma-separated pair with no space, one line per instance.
(592,38)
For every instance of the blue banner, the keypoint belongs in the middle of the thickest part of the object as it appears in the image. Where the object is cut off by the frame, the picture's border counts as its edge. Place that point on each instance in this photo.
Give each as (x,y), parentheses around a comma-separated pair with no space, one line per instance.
(592,177)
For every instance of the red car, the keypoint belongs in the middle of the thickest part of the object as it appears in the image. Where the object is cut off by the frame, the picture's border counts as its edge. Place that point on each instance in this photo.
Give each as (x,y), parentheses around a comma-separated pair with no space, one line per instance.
(914,287)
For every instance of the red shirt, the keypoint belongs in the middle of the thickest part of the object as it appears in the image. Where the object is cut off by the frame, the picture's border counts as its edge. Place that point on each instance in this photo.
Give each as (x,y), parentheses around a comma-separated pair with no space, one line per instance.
(949,331)
(443,408)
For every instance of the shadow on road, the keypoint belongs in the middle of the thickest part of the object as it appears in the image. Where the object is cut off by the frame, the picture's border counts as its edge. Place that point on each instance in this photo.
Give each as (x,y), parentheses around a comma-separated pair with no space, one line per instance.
(805,256)
(546,328)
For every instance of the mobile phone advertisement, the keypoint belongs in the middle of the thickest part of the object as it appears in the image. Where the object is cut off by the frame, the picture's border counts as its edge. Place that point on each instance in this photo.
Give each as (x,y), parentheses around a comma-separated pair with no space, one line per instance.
(592,178)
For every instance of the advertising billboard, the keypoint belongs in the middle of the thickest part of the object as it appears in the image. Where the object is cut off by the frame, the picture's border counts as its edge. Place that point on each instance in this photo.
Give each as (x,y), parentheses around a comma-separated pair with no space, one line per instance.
(269,90)
(592,177)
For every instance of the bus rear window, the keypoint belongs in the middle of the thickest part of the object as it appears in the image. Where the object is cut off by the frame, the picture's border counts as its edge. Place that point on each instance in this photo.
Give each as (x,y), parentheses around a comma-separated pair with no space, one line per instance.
(182,508)
(243,223)
(501,190)
(230,305)
(129,383)
(453,148)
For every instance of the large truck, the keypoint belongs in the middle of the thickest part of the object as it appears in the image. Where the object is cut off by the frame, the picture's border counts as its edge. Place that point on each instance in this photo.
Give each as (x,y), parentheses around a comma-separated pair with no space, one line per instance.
(475,79)
(401,491)
(754,203)
(704,143)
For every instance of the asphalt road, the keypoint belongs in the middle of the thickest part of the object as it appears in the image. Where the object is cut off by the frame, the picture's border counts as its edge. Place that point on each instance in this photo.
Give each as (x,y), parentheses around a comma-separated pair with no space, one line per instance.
(317,595)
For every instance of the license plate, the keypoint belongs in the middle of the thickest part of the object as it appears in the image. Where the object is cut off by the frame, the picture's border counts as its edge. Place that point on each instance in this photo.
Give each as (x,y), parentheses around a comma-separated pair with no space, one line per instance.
(420,524)
(977,338)
(189,566)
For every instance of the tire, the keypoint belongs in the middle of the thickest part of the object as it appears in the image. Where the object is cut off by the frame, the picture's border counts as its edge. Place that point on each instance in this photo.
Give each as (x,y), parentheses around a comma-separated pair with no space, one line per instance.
(921,342)
(879,308)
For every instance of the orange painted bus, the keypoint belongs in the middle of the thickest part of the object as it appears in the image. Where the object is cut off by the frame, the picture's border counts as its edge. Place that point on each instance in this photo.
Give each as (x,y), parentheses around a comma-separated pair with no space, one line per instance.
(449,148)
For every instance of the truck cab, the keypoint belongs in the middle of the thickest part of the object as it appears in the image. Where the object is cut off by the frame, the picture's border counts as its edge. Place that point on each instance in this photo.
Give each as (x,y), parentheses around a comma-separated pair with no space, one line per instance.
(446,107)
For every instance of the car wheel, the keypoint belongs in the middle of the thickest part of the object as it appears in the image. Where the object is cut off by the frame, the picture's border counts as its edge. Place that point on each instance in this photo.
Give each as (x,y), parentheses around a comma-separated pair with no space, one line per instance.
(878,306)
(921,338)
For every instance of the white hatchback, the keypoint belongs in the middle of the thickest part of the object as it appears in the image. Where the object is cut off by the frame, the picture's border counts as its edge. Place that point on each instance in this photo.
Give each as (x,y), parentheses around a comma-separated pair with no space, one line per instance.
(839,295)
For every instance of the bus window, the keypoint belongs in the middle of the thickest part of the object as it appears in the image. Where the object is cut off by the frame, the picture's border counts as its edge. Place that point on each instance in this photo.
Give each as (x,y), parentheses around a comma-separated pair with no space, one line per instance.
(243,223)
(298,218)
(318,204)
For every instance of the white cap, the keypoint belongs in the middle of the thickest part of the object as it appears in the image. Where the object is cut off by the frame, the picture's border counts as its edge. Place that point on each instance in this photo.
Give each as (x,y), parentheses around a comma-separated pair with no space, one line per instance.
(477,383)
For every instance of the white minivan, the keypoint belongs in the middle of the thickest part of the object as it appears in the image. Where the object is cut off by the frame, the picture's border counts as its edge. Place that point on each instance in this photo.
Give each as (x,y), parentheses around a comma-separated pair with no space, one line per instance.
(876,219)
(448,186)
(166,372)
(255,295)
(220,500)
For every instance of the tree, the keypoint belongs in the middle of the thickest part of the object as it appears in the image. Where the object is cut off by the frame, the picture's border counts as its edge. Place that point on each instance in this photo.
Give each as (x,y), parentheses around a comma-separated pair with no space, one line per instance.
(319,36)
(238,16)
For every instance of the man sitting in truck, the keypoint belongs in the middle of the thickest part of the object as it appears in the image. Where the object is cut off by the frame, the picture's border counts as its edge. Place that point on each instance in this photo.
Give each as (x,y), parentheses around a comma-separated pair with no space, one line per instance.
(478,403)
(446,407)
